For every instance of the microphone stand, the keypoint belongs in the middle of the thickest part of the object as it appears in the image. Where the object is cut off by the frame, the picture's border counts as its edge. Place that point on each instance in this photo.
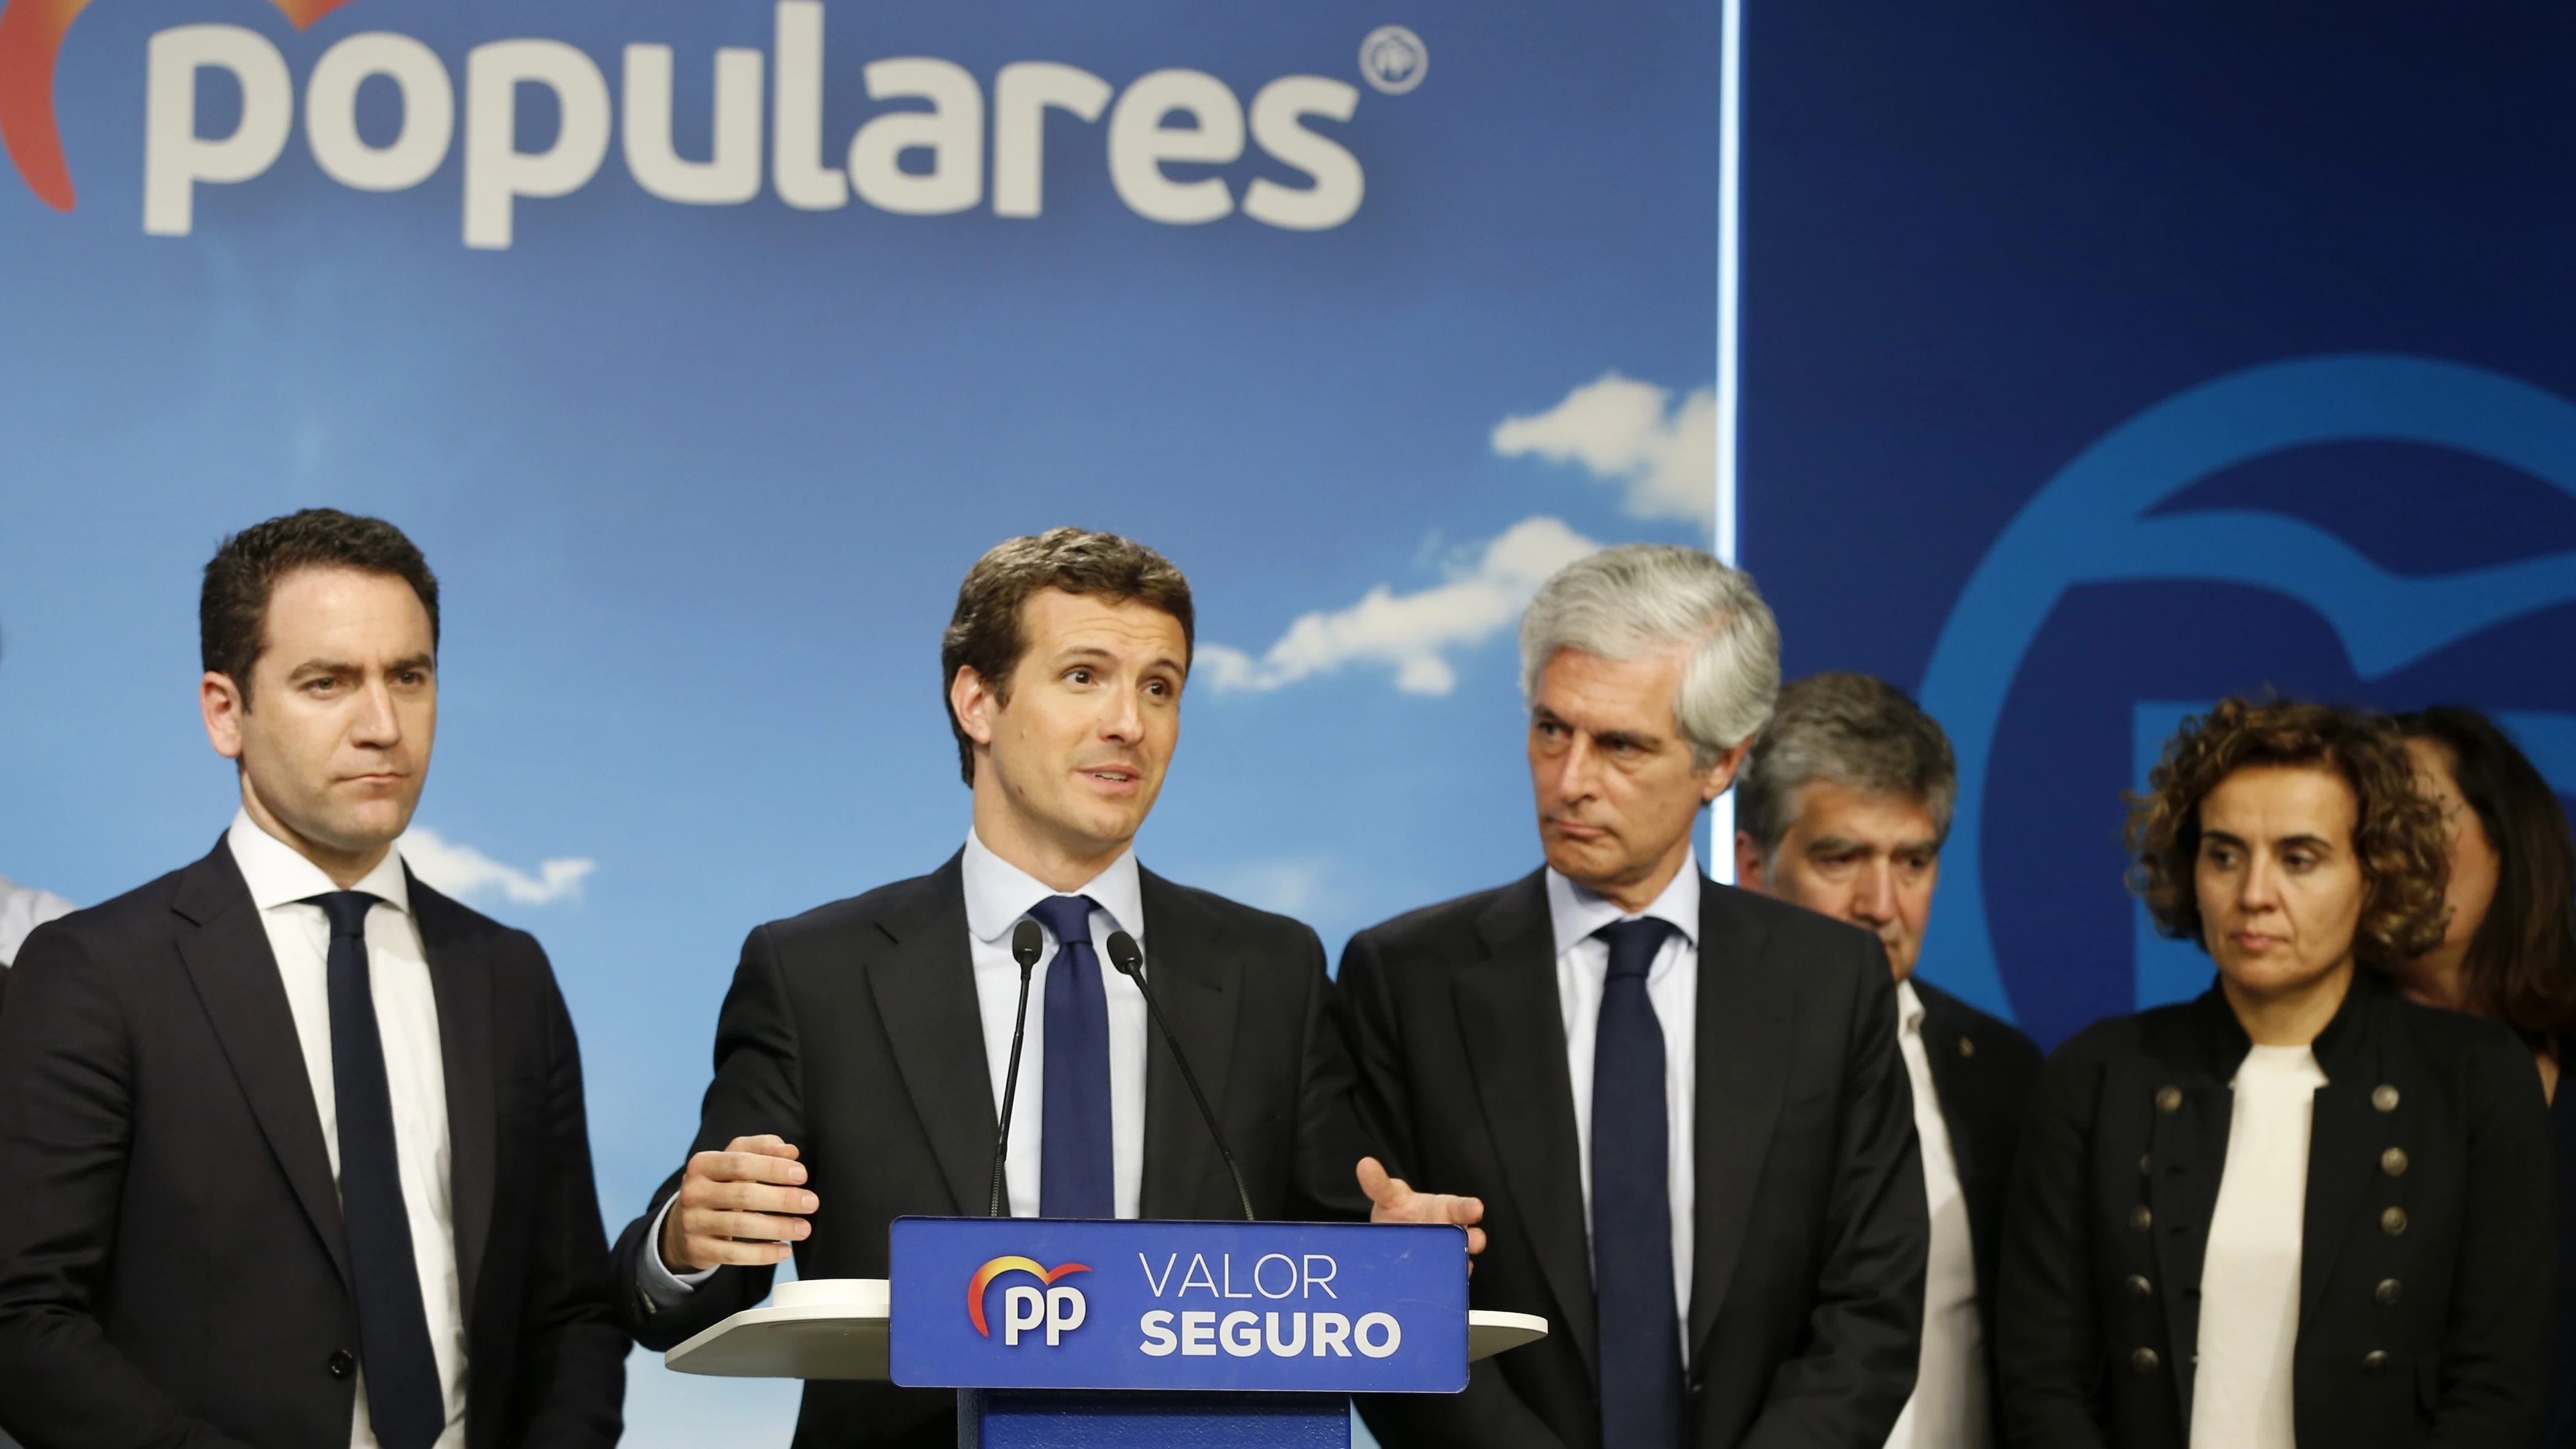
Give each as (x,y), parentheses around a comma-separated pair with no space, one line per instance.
(1028,943)
(1130,961)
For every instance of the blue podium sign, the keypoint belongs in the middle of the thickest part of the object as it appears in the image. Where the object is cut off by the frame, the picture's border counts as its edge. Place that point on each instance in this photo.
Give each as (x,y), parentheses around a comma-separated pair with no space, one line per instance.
(1060,1303)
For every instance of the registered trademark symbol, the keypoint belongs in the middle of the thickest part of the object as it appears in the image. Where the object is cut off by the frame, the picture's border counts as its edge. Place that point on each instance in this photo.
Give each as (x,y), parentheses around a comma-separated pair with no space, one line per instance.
(1394,59)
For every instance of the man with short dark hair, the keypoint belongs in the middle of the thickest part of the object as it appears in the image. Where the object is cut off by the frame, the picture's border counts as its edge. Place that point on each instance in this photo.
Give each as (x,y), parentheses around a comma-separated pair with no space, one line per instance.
(863,1051)
(1680,1101)
(1843,808)
(292,1150)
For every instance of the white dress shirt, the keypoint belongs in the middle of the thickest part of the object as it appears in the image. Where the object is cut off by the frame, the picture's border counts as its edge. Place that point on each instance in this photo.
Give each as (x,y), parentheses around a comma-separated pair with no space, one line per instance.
(1672,985)
(1949,1408)
(998,895)
(2249,1276)
(23,909)
(299,935)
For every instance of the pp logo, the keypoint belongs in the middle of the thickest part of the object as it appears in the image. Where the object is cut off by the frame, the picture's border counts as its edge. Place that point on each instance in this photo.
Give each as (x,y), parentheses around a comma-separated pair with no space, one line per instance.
(1394,59)
(1058,1310)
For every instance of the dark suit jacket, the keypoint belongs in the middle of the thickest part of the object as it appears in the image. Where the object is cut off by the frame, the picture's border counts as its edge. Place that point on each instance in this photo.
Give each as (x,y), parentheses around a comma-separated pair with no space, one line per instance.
(172,1270)
(2562,1151)
(2427,1257)
(852,1031)
(1982,1070)
(1806,1300)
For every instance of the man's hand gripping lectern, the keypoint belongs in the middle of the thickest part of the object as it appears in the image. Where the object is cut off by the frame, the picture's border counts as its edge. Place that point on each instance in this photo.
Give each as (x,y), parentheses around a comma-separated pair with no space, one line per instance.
(1147,1335)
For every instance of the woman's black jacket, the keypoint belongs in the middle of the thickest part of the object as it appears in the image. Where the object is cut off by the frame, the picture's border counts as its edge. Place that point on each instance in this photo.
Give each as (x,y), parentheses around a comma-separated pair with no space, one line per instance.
(2428,1255)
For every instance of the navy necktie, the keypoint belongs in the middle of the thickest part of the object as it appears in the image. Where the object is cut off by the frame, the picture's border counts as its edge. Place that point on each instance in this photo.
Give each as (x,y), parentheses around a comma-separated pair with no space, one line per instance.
(1076,1175)
(1632,1215)
(404,1401)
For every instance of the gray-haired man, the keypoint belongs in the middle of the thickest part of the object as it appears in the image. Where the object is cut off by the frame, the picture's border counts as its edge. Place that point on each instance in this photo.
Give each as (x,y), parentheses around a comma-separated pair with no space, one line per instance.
(1681,1104)
(1842,809)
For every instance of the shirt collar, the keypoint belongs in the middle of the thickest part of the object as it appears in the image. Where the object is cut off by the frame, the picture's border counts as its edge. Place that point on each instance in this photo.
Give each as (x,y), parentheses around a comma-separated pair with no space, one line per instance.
(1577,912)
(1909,1008)
(278,875)
(998,893)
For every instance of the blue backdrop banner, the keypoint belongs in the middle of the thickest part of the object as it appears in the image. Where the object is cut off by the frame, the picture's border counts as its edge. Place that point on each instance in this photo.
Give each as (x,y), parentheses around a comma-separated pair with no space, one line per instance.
(2098,364)
(702,346)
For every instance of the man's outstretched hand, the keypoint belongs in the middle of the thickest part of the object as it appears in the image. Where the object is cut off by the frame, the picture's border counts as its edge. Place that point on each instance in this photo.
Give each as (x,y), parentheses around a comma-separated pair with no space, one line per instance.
(744,1205)
(1393,1200)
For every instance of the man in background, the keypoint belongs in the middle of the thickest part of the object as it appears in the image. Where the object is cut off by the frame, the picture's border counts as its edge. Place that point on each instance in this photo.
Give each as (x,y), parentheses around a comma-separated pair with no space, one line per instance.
(292,1146)
(863,1051)
(1843,809)
(1681,1103)
(22,909)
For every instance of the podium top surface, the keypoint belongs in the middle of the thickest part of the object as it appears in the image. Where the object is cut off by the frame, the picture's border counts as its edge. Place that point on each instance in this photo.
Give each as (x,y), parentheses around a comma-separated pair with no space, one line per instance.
(836,1328)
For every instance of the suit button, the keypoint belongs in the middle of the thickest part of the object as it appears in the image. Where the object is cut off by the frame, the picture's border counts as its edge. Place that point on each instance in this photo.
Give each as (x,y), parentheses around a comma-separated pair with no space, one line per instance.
(2393,1162)
(2145,1163)
(2384,1098)
(2375,1360)
(1967,1048)
(2168,1099)
(2141,1218)
(2139,1287)
(2393,1221)
(2144,1360)
(343,1363)
(2388,1292)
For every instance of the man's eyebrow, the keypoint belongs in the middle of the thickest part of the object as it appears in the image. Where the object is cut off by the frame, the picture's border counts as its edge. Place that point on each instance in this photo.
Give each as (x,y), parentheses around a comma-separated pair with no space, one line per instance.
(1831,845)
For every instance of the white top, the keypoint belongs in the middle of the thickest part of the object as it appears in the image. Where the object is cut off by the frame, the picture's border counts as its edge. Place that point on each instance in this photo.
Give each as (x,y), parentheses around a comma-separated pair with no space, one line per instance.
(2249,1280)
(23,909)
(1672,985)
(1949,1408)
(998,895)
(299,935)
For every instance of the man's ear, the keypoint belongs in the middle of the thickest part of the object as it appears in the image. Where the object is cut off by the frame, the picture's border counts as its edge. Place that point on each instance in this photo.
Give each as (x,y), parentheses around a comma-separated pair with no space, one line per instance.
(1748,864)
(223,704)
(972,701)
(1720,774)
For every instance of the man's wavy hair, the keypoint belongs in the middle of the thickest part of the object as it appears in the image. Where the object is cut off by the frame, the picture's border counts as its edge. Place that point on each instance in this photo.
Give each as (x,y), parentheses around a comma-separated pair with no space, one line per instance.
(2397,834)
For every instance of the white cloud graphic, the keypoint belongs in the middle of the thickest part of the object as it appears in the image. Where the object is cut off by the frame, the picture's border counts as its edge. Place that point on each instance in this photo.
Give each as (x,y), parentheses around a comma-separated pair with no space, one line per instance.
(1625,431)
(461,871)
(1410,632)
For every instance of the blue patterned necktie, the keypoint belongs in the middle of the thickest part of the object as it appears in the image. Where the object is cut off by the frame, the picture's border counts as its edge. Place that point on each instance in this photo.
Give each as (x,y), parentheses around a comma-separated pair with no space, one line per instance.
(1076,1173)
(404,1402)
(1632,1216)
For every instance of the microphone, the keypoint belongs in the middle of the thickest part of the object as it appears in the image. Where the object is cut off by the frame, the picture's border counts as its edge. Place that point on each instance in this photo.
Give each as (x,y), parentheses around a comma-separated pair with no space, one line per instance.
(1028,943)
(1130,961)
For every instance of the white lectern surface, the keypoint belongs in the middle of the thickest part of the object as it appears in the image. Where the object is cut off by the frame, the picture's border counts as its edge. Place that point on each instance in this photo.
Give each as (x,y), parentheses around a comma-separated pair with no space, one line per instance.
(835,1328)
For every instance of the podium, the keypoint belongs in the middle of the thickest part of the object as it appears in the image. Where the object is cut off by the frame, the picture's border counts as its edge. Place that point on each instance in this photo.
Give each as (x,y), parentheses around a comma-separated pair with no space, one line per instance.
(1058,1333)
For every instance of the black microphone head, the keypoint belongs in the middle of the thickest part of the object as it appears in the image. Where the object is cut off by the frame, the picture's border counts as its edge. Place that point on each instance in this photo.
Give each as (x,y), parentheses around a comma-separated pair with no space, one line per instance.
(1028,943)
(1124,955)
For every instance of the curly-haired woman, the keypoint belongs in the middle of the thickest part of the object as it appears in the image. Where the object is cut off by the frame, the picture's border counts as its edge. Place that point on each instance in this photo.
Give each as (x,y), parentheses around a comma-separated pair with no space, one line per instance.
(2301,1209)
(2510,949)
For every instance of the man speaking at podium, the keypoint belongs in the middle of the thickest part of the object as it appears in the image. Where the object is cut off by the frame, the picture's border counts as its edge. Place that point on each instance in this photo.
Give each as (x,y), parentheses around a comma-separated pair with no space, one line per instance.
(1681,1103)
(862,1053)
(292,1150)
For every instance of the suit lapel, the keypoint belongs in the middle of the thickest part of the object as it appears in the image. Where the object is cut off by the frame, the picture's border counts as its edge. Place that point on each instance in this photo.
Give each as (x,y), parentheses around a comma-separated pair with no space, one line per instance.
(2345,1137)
(2186,1157)
(460,977)
(924,985)
(1745,1016)
(1943,1030)
(235,975)
(1195,979)
(1514,1028)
